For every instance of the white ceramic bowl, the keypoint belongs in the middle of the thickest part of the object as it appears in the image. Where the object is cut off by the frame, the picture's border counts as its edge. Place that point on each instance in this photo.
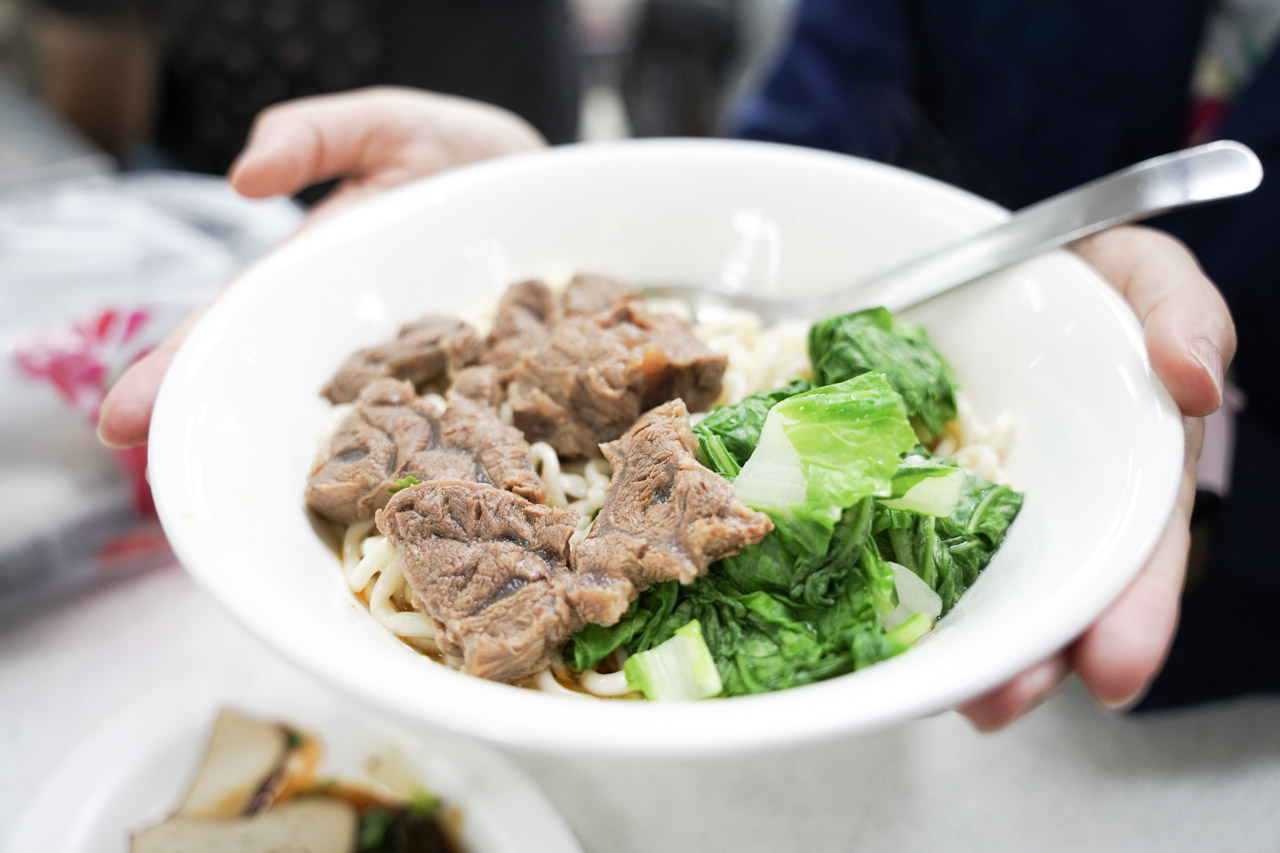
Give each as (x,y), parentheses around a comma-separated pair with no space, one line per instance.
(1098,446)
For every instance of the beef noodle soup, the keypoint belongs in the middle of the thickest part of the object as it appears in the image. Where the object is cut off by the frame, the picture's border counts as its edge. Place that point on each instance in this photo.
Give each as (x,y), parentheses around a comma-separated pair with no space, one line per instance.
(595,478)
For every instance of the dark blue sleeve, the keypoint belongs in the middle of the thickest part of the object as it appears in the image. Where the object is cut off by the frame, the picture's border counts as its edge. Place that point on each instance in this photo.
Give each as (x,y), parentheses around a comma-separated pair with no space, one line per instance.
(843,82)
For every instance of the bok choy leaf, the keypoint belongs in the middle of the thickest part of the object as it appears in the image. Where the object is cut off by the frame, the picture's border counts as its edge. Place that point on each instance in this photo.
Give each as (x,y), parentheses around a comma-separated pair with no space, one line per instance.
(677,669)
(849,345)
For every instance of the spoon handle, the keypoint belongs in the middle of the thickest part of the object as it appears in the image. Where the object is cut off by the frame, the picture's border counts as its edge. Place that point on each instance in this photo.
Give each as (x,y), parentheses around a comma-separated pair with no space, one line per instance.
(1193,176)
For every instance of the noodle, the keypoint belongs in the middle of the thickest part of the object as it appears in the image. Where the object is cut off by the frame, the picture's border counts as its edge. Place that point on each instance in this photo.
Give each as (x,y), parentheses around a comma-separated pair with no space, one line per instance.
(352,547)
(547,463)
(547,683)
(981,449)
(581,489)
(402,623)
(759,359)
(377,556)
(604,684)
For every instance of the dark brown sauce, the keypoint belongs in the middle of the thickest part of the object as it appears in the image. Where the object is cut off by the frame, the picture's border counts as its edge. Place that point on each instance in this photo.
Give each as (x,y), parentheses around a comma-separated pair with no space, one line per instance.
(410,831)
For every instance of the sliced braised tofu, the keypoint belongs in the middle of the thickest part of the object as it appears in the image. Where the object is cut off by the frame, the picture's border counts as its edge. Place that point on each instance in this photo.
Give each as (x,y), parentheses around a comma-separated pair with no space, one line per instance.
(244,755)
(303,825)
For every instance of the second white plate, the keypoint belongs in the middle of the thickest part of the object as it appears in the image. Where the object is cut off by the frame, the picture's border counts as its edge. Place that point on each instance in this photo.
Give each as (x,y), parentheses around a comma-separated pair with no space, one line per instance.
(133,770)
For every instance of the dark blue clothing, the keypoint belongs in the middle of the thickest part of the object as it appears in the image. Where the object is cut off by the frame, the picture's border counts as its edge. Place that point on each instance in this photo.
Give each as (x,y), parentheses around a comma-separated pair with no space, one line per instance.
(1017,101)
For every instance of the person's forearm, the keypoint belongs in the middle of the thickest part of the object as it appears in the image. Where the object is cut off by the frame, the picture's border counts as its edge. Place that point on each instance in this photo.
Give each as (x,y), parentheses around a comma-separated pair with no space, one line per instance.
(99,76)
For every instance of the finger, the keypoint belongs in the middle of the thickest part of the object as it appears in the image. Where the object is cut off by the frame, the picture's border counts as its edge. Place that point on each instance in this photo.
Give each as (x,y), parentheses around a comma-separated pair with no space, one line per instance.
(302,142)
(1019,695)
(1119,656)
(125,416)
(373,137)
(359,187)
(1189,332)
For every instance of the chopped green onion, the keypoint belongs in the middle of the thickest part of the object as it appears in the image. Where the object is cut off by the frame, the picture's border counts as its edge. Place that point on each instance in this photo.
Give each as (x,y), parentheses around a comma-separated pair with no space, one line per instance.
(404,483)
(424,803)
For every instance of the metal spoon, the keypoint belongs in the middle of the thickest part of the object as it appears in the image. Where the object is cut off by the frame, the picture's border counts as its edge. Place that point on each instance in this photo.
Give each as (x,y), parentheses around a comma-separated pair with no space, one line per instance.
(1193,176)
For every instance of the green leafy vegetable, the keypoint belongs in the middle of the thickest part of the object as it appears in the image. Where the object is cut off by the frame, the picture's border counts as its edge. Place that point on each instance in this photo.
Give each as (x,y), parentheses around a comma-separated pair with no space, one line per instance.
(594,643)
(404,483)
(949,552)
(934,493)
(375,825)
(838,470)
(918,466)
(915,598)
(812,608)
(852,344)
(728,436)
(765,640)
(828,448)
(678,669)
(809,601)
(909,632)
(805,557)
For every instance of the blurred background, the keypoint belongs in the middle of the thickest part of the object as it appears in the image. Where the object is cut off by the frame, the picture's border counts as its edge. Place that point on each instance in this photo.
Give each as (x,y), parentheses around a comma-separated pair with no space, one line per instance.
(118,119)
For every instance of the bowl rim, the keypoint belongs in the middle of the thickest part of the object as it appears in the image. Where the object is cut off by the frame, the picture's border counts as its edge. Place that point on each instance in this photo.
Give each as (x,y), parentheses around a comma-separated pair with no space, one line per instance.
(652,729)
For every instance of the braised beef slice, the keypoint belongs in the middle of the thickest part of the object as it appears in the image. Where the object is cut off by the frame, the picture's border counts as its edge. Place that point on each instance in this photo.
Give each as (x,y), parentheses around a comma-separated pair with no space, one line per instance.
(665,517)
(491,569)
(501,450)
(526,314)
(594,375)
(421,352)
(588,295)
(392,434)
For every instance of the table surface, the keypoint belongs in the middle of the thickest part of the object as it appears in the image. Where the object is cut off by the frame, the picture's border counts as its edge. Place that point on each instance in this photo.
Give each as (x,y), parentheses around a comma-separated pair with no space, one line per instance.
(1068,777)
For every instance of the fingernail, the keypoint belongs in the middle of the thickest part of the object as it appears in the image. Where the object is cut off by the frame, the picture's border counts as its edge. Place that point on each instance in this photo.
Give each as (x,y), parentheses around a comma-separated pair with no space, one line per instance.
(237,165)
(261,150)
(108,442)
(1127,703)
(1203,351)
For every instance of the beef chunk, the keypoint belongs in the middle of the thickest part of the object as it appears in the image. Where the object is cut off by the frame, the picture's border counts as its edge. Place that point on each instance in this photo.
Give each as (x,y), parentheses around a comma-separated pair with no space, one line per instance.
(589,295)
(594,375)
(665,517)
(526,314)
(688,369)
(421,352)
(491,569)
(600,597)
(393,434)
(480,383)
(500,449)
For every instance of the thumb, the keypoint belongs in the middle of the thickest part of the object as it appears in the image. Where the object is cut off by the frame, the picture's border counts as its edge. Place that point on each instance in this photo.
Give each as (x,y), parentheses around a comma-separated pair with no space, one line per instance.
(125,416)
(1188,329)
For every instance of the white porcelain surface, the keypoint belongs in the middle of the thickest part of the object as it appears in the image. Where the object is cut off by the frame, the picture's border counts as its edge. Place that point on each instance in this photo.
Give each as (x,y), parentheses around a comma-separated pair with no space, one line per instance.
(1098,446)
